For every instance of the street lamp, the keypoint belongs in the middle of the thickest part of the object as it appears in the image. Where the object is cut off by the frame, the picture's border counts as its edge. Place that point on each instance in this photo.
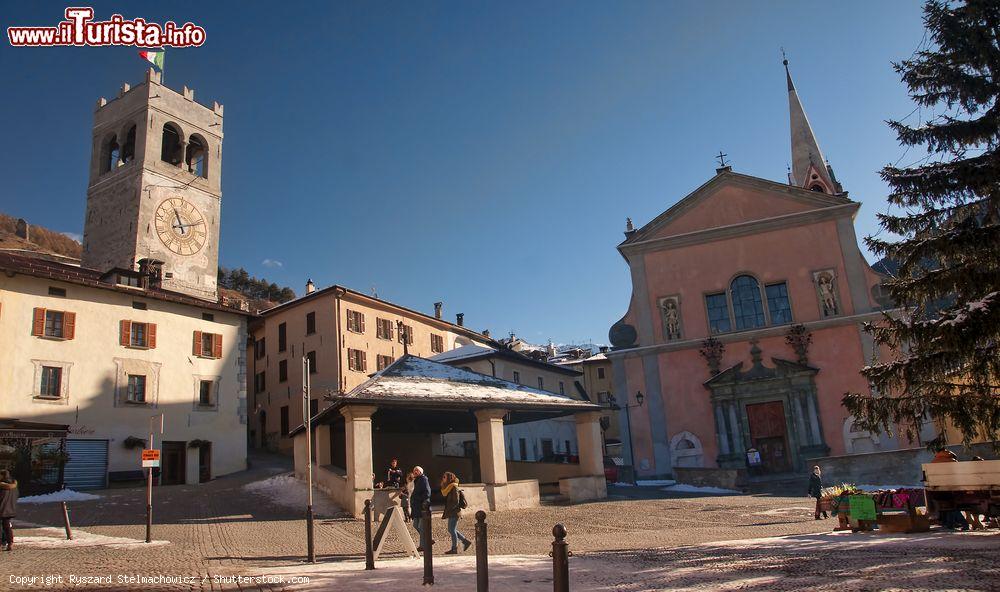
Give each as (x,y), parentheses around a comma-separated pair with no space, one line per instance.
(628,427)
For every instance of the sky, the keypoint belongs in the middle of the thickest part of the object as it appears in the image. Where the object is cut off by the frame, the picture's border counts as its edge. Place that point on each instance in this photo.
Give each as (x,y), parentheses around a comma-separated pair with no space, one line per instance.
(481,154)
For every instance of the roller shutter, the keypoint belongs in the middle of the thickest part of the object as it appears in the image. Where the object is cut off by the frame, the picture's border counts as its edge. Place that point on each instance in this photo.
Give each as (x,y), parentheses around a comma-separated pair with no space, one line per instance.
(88,464)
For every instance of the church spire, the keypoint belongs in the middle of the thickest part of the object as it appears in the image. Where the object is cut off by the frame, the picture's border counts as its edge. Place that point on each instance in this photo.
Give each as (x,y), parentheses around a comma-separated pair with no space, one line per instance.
(809,168)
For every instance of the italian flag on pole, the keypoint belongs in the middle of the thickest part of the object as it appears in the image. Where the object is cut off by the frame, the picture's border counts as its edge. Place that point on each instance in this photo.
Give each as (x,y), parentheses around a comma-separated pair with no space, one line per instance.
(153,57)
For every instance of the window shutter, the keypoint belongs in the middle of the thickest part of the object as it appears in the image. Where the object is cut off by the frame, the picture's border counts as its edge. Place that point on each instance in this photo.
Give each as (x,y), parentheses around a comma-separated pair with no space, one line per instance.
(364,361)
(124,332)
(38,324)
(217,346)
(69,325)
(151,335)
(362,315)
(197,343)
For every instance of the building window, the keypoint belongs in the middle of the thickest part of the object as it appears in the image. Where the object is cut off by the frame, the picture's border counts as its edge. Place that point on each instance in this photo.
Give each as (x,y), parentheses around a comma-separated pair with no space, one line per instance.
(128,280)
(171,148)
(355,321)
(718,313)
(260,348)
(604,398)
(207,316)
(197,154)
(54,291)
(311,356)
(205,393)
(356,360)
(284,420)
(138,336)
(51,385)
(437,343)
(259,382)
(748,309)
(600,372)
(282,337)
(54,323)
(407,330)
(562,388)
(209,345)
(139,305)
(136,388)
(382,362)
(541,383)
(283,371)
(310,323)
(778,304)
(548,451)
(383,328)
(517,377)
(522,446)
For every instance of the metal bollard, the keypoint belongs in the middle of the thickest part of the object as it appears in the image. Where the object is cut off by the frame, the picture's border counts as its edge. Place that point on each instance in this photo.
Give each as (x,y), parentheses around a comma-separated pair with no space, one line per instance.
(427,542)
(69,531)
(560,559)
(369,552)
(482,557)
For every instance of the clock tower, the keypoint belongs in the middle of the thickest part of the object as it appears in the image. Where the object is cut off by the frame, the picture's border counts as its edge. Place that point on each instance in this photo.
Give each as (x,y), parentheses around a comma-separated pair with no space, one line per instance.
(154,190)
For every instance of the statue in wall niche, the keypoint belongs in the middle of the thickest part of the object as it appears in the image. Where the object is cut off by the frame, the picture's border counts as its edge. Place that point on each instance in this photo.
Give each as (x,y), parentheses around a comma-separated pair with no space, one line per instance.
(827,293)
(670,309)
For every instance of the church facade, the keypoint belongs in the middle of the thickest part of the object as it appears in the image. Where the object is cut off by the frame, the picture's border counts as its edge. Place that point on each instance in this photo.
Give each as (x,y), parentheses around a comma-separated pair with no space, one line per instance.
(744,328)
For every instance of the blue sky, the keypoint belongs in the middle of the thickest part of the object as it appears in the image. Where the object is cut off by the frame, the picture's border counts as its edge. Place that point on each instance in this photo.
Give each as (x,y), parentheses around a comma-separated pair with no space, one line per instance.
(483,154)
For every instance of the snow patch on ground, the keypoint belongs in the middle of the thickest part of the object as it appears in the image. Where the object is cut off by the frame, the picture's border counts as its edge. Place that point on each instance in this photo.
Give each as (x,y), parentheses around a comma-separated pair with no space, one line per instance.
(48,537)
(649,483)
(285,490)
(66,495)
(685,488)
(867,487)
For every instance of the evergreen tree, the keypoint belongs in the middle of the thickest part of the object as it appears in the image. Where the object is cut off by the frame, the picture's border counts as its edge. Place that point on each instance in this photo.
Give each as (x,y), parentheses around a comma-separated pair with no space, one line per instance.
(946,332)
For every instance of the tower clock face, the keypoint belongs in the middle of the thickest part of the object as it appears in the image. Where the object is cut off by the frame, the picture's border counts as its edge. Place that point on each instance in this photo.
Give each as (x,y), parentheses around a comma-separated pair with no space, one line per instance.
(180,226)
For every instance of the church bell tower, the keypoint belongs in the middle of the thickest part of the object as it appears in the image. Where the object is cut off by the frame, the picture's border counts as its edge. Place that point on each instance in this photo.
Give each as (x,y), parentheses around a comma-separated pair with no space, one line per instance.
(154,190)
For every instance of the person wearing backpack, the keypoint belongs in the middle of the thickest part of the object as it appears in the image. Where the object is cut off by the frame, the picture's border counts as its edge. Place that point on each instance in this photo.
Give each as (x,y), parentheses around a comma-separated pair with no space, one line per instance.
(454,503)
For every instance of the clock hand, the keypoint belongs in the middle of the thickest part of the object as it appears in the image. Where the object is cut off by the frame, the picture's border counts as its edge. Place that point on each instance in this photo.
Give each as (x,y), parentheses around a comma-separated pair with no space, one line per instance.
(179,225)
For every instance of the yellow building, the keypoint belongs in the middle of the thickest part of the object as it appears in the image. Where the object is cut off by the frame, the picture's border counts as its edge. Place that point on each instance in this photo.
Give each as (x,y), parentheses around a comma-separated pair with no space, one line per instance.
(597,380)
(347,336)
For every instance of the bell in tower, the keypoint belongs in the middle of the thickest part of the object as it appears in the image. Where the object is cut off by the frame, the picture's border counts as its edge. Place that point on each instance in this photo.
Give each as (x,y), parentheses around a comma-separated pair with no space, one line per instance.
(154,190)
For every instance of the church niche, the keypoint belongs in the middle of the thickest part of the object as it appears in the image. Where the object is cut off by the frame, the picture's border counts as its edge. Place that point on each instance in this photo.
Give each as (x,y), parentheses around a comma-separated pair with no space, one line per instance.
(826,291)
(670,314)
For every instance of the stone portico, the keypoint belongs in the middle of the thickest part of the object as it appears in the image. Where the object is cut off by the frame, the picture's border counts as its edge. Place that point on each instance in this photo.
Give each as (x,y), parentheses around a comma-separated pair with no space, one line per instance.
(401,413)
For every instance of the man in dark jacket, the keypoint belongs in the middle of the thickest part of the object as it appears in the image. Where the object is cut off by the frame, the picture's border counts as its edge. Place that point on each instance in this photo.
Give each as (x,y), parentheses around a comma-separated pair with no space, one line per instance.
(8,508)
(421,493)
(816,490)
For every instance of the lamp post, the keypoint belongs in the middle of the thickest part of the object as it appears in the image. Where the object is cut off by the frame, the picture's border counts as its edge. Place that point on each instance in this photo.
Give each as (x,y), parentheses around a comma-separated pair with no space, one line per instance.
(628,428)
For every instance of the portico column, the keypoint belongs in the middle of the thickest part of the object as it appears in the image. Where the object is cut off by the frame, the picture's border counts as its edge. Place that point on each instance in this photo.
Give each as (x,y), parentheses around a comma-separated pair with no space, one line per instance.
(358,433)
(588,437)
(492,457)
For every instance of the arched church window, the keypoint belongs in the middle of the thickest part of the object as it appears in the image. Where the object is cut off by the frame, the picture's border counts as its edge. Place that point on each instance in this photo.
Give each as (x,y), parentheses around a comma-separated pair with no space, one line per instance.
(817,187)
(128,148)
(197,156)
(748,308)
(110,154)
(170,146)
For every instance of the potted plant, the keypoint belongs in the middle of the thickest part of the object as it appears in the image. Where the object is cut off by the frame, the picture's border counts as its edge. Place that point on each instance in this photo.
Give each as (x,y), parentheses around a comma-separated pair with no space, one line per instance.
(197,443)
(134,442)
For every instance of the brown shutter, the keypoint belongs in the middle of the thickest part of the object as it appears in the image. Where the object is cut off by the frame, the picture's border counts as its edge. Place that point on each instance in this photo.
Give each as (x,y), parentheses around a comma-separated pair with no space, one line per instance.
(217,346)
(38,324)
(151,335)
(125,333)
(364,361)
(69,325)
(197,343)
(362,322)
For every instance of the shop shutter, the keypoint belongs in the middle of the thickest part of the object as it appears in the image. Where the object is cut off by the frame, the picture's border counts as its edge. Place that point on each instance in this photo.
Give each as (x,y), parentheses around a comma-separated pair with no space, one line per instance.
(125,333)
(151,335)
(217,346)
(197,343)
(69,325)
(38,325)
(88,464)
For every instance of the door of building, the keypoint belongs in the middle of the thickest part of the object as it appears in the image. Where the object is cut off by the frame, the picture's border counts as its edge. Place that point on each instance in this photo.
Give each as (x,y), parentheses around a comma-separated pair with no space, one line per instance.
(769,436)
(174,459)
(205,463)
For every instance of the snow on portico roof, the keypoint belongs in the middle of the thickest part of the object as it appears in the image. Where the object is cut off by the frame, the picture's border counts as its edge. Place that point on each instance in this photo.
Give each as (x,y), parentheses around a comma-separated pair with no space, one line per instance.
(415,379)
(460,353)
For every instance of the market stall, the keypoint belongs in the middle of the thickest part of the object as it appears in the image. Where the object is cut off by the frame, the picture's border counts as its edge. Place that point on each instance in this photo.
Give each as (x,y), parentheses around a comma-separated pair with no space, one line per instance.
(891,510)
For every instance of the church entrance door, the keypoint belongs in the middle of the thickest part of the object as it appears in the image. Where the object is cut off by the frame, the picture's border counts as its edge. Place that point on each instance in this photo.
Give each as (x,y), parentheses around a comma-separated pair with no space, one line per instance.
(768,435)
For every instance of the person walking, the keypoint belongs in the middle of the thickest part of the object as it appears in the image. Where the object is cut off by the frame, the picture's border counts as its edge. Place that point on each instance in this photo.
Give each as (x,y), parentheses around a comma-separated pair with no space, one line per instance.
(453,512)
(816,490)
(8,508)
(421,493)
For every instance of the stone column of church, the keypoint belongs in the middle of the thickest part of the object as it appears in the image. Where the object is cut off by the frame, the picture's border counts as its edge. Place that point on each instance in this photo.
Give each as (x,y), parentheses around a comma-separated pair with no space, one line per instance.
(817,436)
(736,428)
(721,432)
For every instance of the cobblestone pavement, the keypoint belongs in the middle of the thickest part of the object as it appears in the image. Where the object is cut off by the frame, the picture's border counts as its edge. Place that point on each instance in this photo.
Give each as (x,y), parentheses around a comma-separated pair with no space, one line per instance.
(218,529)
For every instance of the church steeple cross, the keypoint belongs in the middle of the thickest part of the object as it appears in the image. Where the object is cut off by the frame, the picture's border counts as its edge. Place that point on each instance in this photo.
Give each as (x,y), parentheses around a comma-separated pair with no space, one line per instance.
(721,157)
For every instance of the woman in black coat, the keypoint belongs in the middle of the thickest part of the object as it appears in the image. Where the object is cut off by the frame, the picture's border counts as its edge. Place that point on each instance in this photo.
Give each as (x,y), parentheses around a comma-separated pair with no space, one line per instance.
(8,508)
(816,489)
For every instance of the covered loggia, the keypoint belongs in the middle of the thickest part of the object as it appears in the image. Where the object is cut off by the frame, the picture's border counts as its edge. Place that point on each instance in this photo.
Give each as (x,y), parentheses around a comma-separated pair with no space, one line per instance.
(401,413)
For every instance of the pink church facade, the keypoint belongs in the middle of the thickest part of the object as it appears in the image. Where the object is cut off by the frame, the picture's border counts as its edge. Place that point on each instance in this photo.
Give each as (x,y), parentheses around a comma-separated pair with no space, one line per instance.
(744,328)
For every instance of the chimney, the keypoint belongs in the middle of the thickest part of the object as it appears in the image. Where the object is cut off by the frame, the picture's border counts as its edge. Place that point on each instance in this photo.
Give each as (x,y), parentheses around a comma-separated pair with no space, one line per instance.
(603,349)
(437,309)
(150,273)
(310,286)
(460,319)
(21,230)
(486,332)
(551,349)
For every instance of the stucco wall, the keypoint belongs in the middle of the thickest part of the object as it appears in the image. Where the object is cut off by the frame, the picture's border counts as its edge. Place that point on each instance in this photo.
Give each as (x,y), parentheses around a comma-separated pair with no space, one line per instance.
(94,377)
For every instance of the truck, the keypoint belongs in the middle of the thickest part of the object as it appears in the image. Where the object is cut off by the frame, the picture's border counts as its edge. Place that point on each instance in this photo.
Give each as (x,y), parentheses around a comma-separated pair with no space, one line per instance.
(968,486)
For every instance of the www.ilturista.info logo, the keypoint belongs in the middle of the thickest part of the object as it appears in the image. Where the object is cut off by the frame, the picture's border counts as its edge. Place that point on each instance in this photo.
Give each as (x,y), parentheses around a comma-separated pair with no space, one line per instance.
(79,28)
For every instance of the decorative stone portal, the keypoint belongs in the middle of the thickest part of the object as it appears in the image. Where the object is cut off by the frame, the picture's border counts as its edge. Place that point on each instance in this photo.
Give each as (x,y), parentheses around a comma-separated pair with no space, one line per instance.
(772,410)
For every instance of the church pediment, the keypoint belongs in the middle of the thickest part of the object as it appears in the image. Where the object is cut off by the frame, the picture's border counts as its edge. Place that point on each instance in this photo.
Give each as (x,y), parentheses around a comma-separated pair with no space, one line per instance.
(781,369)
(730,199)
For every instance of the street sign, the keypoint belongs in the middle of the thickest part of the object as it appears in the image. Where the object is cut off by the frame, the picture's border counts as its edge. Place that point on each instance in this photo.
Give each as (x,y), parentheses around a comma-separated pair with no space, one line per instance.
(150,458)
